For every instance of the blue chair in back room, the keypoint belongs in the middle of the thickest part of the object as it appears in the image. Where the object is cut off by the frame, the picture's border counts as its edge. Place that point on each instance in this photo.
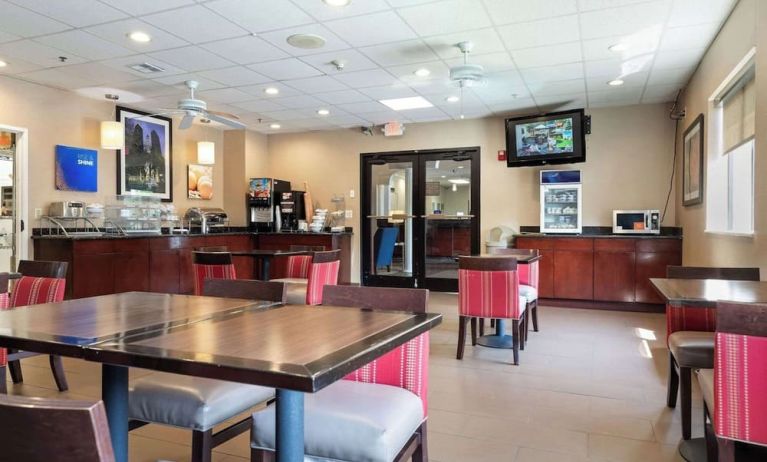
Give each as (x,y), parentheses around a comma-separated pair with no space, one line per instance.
(383,243)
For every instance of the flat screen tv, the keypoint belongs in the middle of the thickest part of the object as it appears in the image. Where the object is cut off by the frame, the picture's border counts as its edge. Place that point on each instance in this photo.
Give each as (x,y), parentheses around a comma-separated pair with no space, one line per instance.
(554,138)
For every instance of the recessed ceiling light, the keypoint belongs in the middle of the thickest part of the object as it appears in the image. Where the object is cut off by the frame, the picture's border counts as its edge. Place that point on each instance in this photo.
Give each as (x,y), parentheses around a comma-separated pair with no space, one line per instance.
(403,104)
(323,112)
(3,63)
(271,90)
(618,47)
(459,181)
(615,83)
(275,126)
(141,37)
(337,2)
(306,41)
(460,166)
(422,72)
(452,99)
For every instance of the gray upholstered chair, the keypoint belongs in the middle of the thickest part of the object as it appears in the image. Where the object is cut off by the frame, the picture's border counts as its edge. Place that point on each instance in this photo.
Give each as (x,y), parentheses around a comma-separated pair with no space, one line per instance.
(201,404)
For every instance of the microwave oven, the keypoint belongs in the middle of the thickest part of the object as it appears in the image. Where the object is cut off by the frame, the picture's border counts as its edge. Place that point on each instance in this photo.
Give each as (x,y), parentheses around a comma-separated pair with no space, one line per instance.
(636,221)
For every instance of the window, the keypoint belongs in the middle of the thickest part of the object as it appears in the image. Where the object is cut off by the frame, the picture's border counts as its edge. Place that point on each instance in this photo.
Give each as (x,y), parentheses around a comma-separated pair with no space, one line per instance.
(730,178)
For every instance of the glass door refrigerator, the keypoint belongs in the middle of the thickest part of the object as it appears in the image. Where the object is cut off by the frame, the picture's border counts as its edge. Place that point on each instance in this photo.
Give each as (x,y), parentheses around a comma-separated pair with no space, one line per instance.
(561,201)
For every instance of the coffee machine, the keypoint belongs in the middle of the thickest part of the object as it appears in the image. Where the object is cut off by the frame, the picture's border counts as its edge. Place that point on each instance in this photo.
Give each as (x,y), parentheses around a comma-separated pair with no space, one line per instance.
(262,201)
(291,204)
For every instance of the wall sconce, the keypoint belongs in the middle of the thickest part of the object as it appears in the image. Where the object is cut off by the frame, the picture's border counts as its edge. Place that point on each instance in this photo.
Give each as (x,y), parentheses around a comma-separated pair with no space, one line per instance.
(206,152)
(112,133)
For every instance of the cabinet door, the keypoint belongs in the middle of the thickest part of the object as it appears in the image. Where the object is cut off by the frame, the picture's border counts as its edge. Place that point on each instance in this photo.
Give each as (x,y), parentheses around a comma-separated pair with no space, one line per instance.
(652,265)
(243,266)
(164,268)
(614,276)
(574,274)
(93,275)
(131,272)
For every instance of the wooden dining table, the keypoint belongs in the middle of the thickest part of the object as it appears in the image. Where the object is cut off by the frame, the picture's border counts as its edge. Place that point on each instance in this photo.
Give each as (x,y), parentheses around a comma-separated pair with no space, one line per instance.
(265,256)
(296,349)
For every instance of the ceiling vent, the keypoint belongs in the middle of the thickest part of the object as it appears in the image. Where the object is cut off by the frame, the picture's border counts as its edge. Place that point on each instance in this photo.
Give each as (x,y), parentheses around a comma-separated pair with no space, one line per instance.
(146,68)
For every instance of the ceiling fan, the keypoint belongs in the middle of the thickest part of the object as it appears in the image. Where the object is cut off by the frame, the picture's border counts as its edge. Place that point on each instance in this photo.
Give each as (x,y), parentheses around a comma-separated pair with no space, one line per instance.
(192,107)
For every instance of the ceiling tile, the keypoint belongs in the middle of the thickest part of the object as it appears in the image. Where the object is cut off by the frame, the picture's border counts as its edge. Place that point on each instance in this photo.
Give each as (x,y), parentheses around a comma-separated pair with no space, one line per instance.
(599,82)
(117,32)
(548,55)
(56,78)
(148,88)
(539,33)
(352,60)
(266,15)
(690,12)
(177,81)
(279,39)
(258,90)
(433,87)
(140,7)
(24,23)
(388,92)
(246,50)
(558,102)
(17,65)
(437,71)
(317,84)
(662,91)
(77,13)
(563,87)
(124,63)
(678,58)
(98,73)
(6,37)
(381,117)
(225,95)
(626,20)
(508,11)
(362,107)
(680,38)
(195,24)
(346,121)
(669,76)
(357,30)
(589,5)
(629,95)
(323,12)
(259,105)
(492,62)
(235,76)
(427,114)
(613,68)
(403,3)
(393,54)
(469,100)
(342,96)
(527,104)
(286,114)
(192,58)
(484,41)
(362,79)
(84,45)
(300,102)
(37,53)
(553,73)
(285,69)
(446,17)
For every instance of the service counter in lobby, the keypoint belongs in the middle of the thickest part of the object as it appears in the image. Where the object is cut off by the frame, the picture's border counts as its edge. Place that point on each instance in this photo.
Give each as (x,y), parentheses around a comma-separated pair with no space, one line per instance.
(100,265)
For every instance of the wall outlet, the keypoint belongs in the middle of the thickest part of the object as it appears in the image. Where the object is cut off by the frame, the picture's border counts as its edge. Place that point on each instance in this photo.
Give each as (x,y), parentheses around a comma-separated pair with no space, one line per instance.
(348,214)
(351,194)
(38,213)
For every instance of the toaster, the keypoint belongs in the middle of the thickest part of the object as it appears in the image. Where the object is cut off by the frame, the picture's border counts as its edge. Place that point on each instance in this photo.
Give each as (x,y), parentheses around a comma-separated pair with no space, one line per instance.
(67,209)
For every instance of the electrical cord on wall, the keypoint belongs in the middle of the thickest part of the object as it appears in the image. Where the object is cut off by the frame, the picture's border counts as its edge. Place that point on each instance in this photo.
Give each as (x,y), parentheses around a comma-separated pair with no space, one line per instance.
(676,116)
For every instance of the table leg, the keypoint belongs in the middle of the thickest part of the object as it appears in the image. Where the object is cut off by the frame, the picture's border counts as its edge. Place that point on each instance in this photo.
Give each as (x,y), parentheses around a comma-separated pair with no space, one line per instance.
(114,392)
(265,263)
(290,426)
(500,339)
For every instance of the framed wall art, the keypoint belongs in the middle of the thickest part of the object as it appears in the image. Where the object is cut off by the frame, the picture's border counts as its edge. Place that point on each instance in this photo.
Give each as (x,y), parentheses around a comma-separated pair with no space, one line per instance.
(200,183)
(77,169)
(145,165)
(692,163)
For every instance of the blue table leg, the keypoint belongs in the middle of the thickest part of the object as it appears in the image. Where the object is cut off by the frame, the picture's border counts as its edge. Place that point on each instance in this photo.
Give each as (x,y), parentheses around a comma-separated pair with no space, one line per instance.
(290,426)
(500,339)
(114,392)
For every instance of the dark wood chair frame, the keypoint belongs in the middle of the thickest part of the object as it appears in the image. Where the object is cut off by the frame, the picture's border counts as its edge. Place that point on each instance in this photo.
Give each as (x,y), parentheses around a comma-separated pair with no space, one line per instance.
(381,298)
(680,378)
(37,269)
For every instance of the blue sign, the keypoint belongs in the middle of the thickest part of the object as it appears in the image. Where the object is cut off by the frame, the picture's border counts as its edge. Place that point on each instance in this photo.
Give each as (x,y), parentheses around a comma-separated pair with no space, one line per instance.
(76,169)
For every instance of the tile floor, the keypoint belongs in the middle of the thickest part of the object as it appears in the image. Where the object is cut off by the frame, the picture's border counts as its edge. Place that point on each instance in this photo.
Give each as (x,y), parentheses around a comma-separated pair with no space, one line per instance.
(591,387)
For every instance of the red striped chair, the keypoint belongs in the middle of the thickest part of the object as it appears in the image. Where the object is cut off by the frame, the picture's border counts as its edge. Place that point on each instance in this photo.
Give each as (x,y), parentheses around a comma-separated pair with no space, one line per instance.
(377,413)
(690,336)
(211,265)
(297,266)
(323,271)
(488,287)
(735,391)
(41,282)
(529,278)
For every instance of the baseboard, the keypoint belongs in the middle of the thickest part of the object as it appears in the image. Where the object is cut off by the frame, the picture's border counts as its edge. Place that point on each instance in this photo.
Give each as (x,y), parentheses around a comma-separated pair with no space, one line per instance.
(609,306)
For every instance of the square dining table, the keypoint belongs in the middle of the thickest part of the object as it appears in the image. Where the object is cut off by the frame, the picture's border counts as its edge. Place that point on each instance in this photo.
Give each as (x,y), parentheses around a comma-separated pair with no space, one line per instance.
(296,349)
(265,256)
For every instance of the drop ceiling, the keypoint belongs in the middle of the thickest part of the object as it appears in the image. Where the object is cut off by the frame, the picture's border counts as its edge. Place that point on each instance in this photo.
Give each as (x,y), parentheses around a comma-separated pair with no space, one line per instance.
(537,55)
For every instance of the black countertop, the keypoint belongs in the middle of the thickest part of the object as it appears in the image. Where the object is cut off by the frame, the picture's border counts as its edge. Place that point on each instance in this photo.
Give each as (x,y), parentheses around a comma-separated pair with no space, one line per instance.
(590,232)
(84,237)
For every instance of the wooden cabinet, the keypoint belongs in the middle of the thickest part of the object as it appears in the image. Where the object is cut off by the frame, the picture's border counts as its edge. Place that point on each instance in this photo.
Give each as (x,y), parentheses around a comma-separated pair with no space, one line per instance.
(652,259)
(614,263)
(130,265)
(574,269)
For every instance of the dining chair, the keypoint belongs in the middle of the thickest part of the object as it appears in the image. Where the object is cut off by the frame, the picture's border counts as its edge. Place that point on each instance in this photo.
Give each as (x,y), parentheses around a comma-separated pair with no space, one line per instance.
(40,282)
(377,413)
(529,279)
(384,242)
(297,266)
(735,390)
(201,404)
(211,265)
(690,336)
(44,430)
(322,272)
(488,287)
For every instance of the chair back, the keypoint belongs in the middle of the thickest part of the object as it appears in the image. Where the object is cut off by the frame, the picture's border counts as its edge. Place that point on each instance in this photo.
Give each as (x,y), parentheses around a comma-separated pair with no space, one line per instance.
(529,273)
(43,269)
(488,287)
(700,319)
(41,282)
(740,372)
(323,272)
(5,300)
(211,265)
(407,366)
(297,266)
(384,240)
(43,429)
(246,288)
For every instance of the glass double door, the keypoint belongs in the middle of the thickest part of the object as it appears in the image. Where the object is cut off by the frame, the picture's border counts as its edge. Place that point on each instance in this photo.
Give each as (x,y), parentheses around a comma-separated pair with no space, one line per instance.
(420,212)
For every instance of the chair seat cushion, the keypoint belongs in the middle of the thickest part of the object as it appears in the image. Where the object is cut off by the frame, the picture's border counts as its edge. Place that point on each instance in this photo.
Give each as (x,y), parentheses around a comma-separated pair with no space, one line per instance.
(706,382)
(692,349)
(529,292)
(350,421)
(191,402)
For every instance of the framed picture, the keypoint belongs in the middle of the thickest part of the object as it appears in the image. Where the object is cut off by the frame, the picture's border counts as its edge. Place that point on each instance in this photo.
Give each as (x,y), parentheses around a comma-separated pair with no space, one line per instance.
(77,169)
(200,183)
(145,165)
(692,163)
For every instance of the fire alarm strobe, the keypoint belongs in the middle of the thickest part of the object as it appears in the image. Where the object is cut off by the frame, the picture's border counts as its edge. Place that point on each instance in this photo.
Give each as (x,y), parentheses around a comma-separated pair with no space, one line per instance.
(501,154)
(393,128)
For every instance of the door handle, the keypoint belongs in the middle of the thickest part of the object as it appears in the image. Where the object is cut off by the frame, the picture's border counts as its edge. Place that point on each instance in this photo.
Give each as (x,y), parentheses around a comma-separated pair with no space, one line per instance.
(22,226)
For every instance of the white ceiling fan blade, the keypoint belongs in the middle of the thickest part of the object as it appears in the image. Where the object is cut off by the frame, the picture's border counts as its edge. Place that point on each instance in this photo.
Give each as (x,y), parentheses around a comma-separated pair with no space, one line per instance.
(186,122)
(226,121)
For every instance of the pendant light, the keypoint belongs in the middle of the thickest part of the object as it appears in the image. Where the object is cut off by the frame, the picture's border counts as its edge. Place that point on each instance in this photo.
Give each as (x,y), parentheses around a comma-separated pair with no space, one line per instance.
(112,132)
(206,150)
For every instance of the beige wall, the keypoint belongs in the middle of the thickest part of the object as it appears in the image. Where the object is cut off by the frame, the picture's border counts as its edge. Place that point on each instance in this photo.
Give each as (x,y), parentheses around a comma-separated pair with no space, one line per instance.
(246,157)
(628,165)
(739,34)
(60,117)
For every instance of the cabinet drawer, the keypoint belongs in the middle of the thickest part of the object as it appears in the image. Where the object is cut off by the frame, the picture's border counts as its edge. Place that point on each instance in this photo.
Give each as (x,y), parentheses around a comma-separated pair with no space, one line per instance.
(585,244)
(615,245)
(534,243)
(659,245)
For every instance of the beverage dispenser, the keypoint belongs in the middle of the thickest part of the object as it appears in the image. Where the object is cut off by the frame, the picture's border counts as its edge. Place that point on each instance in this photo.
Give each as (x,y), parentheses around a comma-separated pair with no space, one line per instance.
(262,202)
